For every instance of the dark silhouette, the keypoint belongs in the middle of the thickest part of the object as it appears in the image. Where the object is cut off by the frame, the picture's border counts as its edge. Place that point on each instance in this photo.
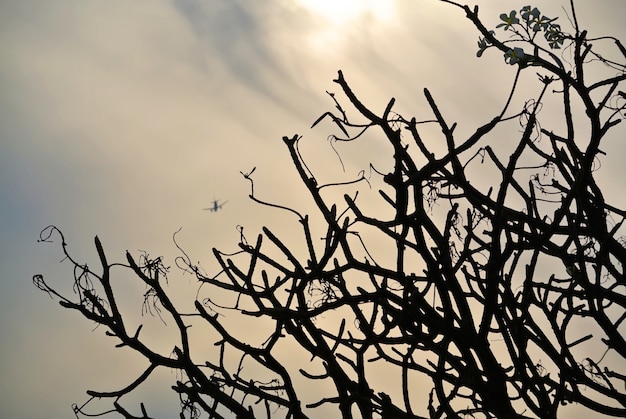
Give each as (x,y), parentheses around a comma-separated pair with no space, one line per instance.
(502,300)
(216,206)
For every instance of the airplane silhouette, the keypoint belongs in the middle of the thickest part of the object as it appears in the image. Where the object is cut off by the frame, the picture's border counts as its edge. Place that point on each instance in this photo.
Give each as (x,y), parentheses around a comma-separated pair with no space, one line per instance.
(216,206)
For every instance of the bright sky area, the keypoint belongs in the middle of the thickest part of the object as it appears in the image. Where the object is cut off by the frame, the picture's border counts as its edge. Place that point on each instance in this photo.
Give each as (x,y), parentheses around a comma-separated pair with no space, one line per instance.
(123,119)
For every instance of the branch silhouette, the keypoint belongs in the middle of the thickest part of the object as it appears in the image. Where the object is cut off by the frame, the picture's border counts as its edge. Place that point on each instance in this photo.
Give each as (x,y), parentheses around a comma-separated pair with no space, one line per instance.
(503,300)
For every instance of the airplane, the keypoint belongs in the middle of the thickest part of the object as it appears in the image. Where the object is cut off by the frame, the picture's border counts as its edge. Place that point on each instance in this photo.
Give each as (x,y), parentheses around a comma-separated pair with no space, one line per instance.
(216,206)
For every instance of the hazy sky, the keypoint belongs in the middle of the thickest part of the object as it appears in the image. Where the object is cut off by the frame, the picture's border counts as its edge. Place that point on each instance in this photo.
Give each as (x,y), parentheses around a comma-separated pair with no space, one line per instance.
(124,118)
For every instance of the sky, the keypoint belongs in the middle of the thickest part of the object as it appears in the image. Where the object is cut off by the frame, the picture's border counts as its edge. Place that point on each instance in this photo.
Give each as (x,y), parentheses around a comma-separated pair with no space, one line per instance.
(123,119)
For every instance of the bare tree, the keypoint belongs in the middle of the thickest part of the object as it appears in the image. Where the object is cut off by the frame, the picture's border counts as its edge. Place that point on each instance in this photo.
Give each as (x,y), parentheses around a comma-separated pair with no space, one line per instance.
(475,292)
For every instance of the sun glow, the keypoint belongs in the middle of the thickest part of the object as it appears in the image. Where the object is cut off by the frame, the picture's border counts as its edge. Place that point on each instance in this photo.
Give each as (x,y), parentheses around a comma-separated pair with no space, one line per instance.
(343,11)
(335,21)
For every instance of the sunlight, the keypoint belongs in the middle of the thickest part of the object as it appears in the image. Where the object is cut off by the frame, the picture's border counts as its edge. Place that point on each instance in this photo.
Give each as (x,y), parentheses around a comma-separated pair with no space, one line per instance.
(343,11)
(337,19)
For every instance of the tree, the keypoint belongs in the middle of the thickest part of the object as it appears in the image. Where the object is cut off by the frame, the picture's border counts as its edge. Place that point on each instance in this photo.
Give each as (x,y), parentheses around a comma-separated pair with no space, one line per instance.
(478,289)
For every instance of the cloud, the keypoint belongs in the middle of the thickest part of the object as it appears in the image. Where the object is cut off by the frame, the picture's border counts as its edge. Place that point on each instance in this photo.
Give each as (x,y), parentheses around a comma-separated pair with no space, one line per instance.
(123,119)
